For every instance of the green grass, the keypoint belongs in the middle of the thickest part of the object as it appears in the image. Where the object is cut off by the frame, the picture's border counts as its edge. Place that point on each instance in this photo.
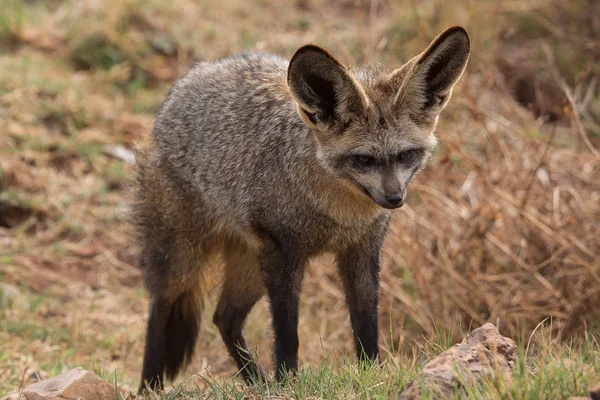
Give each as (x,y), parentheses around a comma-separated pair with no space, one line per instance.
(544,369)
(551,371)
(11,22)
(342,379)
(96,51)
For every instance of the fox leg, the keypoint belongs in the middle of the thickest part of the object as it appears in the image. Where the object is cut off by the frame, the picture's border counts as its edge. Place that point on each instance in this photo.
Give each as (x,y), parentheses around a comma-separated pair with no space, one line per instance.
(282,267)
(359,267)
(242,288)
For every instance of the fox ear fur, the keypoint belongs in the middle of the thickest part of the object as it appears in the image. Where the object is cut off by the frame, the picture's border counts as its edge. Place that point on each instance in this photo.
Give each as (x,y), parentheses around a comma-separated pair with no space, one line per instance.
(429,78)
(324,89)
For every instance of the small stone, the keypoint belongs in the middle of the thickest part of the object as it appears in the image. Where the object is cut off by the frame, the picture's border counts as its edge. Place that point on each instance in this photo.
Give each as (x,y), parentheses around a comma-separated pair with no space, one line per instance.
(71,385)
(482,355)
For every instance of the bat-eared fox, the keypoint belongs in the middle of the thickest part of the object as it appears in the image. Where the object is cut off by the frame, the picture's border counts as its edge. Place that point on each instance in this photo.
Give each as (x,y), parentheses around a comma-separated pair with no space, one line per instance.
(259,164)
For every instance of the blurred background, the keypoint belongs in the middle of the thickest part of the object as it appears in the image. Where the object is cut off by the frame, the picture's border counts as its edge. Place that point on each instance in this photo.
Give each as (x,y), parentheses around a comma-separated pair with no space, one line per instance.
(504,226)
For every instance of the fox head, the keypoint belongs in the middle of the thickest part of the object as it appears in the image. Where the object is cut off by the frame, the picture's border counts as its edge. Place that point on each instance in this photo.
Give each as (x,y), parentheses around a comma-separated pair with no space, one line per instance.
(374,129)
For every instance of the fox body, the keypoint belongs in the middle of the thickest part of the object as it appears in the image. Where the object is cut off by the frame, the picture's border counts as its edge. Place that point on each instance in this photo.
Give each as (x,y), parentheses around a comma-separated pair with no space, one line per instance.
(267,163)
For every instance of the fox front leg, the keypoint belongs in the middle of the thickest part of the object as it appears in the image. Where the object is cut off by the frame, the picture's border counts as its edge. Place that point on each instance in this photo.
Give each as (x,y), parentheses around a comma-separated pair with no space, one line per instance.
(359,267)
(282,266)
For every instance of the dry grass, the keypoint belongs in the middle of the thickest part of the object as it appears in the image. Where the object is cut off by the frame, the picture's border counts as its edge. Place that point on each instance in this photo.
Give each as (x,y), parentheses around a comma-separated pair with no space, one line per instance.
(503,227)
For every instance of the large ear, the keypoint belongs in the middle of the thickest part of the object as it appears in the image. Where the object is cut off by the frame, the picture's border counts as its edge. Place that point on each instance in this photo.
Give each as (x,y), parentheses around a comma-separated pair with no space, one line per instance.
(432,74)
(324,88)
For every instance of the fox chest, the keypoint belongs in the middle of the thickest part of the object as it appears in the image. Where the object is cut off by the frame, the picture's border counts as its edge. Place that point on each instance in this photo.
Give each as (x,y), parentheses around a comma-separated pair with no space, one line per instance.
(326,235)
(313,231)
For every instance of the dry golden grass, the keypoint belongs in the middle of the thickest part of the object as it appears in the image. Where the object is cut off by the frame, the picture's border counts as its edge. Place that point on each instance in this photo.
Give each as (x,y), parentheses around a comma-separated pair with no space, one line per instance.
(504,226)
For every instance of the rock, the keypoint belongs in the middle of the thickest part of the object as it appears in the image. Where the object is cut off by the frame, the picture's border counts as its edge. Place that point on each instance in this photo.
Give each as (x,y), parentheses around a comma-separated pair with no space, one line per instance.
(481,355)
(71,385)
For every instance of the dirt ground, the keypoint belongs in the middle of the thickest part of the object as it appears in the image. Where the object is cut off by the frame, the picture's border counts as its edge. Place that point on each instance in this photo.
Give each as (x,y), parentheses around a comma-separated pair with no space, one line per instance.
(504,226)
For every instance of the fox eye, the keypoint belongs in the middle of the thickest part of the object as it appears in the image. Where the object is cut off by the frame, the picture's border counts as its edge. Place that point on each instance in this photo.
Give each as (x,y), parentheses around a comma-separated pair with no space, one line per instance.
(409,156)
(404,156)
(363,160)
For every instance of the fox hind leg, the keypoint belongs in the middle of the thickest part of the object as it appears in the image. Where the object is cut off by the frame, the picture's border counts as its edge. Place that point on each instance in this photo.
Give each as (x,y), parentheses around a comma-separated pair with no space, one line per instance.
(242,288)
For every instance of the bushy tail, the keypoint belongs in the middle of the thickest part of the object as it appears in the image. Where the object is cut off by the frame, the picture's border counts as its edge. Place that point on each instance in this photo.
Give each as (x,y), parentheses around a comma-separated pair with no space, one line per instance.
(171,337)
(182,332)
(165,259)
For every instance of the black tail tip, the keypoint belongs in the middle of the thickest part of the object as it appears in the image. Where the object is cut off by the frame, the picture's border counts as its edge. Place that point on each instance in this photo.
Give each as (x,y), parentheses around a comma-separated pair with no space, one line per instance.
(182,334)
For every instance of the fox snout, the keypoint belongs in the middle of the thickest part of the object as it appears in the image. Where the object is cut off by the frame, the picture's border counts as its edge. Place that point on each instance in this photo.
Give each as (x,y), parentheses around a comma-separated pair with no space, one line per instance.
(386,184)
(394,188)
(394,200)
(388,200)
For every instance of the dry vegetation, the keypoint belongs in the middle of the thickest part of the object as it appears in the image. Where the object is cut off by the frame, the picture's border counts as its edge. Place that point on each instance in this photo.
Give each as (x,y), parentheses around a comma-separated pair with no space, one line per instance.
(503,227)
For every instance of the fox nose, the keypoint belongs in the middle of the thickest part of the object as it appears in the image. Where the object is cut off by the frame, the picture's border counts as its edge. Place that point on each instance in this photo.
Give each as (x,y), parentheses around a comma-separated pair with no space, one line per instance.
(395,199)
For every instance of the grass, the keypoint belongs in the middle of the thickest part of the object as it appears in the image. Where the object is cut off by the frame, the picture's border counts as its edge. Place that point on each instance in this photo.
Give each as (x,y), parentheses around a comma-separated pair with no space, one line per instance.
(549,371)
(482,238)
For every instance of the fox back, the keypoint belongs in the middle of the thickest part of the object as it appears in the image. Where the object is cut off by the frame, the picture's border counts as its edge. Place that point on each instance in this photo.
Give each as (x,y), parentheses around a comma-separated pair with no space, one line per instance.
(268,163)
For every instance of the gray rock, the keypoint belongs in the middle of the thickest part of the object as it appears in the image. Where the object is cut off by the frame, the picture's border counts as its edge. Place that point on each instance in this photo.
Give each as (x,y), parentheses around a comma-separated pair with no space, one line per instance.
(482,355)
(72,385)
